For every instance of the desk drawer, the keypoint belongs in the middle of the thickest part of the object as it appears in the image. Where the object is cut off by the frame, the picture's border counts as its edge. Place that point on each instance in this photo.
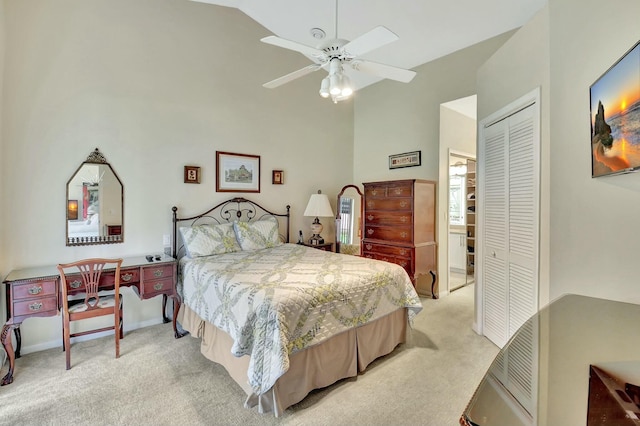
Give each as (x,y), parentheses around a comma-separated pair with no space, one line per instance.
(39,306)
(127,276)
(34,289)
(157,286)
(156,272)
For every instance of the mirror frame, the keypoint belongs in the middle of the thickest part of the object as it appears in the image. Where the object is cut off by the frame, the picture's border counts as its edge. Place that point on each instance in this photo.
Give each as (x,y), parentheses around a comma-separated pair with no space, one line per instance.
(95,157)
(344,188)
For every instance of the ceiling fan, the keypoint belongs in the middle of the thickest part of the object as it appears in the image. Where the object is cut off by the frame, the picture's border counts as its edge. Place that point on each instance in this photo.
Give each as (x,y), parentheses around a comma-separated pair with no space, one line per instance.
(333,55)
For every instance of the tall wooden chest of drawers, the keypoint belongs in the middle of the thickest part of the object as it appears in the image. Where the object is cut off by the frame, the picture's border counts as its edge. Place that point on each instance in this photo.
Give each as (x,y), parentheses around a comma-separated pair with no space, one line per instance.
(400,227)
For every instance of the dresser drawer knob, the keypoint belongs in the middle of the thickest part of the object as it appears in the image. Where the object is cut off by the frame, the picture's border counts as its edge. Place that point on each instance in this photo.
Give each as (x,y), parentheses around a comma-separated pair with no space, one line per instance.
(403,252)
(35,306)
(126,277)
(403,264)
(403,234)
(403,204)
(75,284)
(374,192)
(368,246)
(36,289)
(370,217)
(370,231)
(398,191)
(371,204)
(157,286)
(404,219)
(158,273)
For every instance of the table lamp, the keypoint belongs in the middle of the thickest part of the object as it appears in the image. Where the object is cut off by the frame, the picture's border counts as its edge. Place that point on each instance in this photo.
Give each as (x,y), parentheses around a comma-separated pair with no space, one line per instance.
(319,207)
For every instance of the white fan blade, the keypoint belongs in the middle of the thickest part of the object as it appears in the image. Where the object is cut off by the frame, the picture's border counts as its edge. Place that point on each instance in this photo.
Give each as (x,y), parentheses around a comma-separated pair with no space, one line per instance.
(382,70)
(292,45)
(377,37)
(292,76)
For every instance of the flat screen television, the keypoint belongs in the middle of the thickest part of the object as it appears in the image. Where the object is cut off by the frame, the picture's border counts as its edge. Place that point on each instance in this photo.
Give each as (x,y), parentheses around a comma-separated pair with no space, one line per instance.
(615,117)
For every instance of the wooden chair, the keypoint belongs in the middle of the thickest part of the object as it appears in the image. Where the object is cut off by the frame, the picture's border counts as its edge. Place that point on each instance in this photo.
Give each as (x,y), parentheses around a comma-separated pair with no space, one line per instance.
(83,278)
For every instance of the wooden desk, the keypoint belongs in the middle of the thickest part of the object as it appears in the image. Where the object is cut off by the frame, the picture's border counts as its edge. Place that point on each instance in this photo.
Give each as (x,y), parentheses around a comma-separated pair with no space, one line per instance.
(35,292)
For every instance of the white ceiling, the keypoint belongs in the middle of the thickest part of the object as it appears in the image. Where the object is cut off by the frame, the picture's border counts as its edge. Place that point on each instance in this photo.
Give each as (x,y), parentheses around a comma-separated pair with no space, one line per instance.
(427,29)
(465,106)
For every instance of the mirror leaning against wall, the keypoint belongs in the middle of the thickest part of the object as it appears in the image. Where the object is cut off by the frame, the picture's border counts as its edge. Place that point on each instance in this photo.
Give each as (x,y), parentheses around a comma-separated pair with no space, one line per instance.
(95,202)
(349,221)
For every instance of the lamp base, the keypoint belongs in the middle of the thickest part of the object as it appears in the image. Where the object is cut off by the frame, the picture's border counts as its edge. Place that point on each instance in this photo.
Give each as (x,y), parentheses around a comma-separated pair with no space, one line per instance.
(316,240)
(316,229)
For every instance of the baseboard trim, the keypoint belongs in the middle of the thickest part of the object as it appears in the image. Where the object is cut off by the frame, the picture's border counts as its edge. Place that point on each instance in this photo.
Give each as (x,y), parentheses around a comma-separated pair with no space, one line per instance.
(58,342)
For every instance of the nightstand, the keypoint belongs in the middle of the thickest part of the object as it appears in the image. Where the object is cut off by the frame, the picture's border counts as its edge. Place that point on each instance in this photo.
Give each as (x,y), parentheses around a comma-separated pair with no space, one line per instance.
(325,246)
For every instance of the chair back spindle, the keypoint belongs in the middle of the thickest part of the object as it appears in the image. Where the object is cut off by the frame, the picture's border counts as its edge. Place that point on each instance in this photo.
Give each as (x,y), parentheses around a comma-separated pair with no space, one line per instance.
(94,304)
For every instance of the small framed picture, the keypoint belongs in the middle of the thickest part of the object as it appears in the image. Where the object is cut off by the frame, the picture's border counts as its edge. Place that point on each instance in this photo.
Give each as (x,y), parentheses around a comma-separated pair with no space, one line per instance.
(407,159)
(191,174)
(277,177)
(237,172)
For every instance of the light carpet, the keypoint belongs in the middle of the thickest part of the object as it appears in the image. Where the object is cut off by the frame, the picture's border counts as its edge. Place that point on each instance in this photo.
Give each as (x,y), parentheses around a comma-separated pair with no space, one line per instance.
(159,380)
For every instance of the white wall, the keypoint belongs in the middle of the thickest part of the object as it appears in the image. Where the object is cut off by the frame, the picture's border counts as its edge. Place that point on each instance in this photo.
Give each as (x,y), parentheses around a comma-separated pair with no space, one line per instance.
(392,117)
(3,200)
(458,135)
(589,227)
(595,233)
(155,85)
(516,69)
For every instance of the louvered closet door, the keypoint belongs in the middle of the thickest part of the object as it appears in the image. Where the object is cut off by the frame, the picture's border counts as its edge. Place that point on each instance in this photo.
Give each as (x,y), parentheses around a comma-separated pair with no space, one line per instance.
(510,223)
(523,219)
(494,241)
(509,152)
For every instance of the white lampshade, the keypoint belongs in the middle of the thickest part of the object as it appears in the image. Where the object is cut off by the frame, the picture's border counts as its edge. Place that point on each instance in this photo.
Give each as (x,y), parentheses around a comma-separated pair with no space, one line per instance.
(318,206)
(335,86)
(347,90)
(324,87)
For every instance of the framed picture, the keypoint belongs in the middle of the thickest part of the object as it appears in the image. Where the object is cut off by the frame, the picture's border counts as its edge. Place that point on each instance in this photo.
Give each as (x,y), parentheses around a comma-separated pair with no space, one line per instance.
(277,178)
(407,159)
(615,117)
(237,172)
(191,174)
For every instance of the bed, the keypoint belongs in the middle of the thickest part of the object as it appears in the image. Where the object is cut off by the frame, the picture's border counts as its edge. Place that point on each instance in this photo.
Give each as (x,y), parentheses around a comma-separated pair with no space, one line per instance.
(284,319)
(84,228)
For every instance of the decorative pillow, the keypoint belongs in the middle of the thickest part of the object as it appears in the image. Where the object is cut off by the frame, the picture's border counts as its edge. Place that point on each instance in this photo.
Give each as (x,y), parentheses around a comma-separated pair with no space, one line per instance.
(257,235)
(205,240)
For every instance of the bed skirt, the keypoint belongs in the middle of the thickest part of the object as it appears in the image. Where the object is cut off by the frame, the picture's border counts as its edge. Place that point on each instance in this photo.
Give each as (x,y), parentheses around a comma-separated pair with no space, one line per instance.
(339,357)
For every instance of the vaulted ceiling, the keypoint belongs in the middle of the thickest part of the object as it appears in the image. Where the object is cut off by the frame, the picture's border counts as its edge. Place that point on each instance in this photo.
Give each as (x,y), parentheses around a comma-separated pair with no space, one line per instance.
(427,29)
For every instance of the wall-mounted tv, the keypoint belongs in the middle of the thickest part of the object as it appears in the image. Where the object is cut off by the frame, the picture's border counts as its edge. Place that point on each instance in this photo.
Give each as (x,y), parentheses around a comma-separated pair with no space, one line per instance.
(615,117)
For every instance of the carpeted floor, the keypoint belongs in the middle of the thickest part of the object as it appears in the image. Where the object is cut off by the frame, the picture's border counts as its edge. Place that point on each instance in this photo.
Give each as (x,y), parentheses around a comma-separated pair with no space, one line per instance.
(160,380)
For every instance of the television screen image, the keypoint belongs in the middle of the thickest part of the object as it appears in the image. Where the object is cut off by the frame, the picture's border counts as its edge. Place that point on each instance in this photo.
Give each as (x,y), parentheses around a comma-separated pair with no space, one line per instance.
(615,117)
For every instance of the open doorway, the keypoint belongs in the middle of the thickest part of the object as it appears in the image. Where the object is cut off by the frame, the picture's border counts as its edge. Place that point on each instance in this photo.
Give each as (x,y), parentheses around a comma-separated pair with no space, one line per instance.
(458,130)
(461,220)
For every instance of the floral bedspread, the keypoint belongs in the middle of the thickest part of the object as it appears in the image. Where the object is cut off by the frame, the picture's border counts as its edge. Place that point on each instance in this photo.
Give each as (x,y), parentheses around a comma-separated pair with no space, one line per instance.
(276,301)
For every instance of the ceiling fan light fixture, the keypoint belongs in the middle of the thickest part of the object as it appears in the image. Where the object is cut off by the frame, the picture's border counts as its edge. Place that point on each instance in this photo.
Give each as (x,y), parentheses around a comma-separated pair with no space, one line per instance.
(335,66)
(347,89)
(324,87)
(335,86)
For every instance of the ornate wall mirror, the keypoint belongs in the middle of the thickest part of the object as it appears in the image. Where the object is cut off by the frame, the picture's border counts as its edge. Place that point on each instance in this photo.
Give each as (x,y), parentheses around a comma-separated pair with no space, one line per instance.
(95,204)
(349,221)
